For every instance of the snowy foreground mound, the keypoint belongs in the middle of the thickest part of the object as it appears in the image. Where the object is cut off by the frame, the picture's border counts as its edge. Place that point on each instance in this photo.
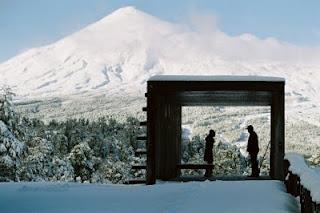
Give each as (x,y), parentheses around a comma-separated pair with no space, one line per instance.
(219,196)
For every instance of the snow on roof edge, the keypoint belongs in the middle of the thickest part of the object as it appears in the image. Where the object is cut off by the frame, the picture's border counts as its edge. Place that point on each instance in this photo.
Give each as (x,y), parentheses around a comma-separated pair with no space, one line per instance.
(215,78)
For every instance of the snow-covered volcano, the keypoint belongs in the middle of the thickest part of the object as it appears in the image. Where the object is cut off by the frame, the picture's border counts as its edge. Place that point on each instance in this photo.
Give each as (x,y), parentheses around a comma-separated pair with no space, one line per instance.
(117,54)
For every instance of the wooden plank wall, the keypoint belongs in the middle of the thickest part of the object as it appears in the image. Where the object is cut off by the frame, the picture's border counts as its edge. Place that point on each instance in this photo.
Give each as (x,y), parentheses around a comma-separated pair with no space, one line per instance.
(168,138)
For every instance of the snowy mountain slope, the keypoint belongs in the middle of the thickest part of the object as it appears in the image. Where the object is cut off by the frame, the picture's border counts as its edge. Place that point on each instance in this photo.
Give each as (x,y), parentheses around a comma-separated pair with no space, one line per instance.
(117,54)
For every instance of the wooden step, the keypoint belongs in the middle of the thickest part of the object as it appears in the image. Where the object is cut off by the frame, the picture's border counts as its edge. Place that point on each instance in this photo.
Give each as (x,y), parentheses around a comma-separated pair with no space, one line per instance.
(195,166)
(144,109)
(186,178)
(143,123)
(142,138)
(138,167)
(135,181)
(140,152)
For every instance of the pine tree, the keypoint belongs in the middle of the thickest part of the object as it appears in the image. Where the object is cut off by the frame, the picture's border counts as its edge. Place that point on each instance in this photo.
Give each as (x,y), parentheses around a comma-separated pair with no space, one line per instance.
(37,164)
(7,109)
(11,149)
(83,161)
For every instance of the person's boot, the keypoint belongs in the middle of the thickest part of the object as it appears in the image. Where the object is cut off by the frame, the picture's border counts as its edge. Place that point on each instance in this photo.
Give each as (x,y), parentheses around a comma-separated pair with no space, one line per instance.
(257,173)
(208,174)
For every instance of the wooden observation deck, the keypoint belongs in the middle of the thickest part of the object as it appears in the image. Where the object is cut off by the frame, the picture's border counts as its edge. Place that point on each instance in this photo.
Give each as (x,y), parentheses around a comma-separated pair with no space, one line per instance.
(166,94)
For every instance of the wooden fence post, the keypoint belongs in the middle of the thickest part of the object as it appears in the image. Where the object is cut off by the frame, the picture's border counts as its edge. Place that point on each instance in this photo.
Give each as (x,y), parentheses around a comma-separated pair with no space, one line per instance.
(316,207)
(306,201)
(295,188)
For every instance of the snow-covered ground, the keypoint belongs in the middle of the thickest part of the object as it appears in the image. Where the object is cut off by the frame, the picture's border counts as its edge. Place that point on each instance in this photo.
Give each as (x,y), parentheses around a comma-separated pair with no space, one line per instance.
(219,196)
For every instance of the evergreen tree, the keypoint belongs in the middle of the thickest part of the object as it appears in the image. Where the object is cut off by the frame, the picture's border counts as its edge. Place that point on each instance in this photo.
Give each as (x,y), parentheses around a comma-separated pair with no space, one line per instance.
(37,165)
(11,149)
(83,161)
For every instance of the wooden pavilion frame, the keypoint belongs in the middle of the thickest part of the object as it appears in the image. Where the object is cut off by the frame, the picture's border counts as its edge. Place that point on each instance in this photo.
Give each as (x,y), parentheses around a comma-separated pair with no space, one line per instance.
(167,94)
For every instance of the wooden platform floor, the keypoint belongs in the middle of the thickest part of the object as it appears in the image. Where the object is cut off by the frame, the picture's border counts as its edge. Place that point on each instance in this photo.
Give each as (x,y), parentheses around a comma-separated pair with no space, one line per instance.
(223,178)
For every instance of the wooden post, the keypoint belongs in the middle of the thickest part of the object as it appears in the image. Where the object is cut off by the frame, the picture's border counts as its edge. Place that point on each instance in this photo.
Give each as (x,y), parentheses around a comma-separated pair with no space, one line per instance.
(292,184)
(178,137)
(151,120)
(316,208)
(277,135)
(286,165)
(306,201)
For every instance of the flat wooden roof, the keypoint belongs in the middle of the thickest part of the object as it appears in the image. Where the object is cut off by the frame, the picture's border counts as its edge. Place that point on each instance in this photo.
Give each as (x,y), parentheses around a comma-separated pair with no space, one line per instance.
(215,78)
(190,90)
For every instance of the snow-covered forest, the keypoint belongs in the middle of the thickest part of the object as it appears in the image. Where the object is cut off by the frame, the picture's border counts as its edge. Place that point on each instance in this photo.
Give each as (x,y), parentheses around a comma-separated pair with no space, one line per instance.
(83,150)
(101,150)
(72,150)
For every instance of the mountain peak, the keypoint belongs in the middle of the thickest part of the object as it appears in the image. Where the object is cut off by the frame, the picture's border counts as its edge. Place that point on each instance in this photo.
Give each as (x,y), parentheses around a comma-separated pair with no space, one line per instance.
(123,19)
(129,10)
(126,13)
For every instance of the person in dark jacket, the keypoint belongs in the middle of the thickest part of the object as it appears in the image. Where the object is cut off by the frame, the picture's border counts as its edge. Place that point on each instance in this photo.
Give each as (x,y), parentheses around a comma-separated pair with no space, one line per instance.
(253,149)
(208,154)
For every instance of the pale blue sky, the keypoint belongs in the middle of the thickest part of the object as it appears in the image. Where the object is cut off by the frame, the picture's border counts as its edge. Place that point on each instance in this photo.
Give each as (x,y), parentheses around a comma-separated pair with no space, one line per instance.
(29,23)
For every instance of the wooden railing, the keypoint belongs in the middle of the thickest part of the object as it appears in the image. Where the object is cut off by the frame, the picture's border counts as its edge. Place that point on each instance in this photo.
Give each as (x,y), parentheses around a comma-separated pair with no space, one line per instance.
(303,182)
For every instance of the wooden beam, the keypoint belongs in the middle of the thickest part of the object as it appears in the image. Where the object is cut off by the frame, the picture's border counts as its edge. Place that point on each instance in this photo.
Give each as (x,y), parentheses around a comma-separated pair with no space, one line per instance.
(139,167)
(174,86)
(140,152)
(195,166)
(224,98)
(142,138)
(135,181)
(143,123)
